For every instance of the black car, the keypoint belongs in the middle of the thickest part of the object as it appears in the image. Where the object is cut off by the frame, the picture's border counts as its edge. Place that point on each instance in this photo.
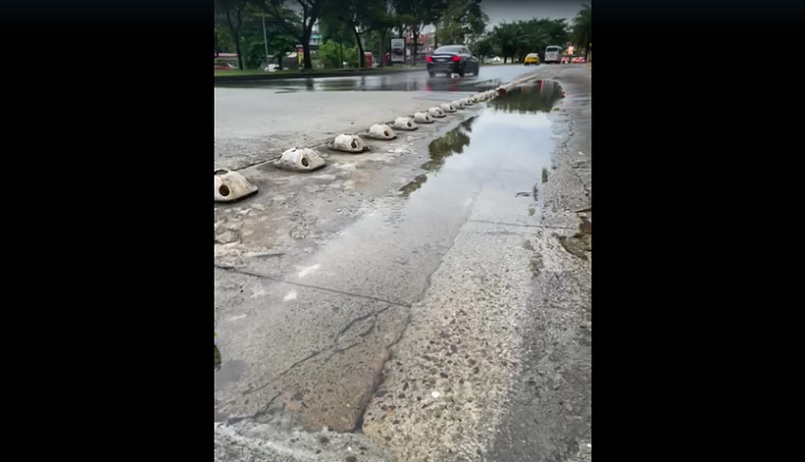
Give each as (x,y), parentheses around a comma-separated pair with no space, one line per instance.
(452,59)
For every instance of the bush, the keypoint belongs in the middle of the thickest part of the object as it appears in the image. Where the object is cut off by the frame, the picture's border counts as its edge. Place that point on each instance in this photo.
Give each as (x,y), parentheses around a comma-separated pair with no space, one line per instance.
(329,53)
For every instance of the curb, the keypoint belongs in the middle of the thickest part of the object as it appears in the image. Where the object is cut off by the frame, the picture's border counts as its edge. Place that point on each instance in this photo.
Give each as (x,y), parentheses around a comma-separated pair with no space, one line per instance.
(270,76)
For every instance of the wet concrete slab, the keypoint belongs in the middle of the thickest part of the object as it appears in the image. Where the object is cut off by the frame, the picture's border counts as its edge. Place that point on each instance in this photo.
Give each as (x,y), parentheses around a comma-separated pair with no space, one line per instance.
(447,261)
(547,415)
(289,333)
(451,371)
(280,442)
(312,353)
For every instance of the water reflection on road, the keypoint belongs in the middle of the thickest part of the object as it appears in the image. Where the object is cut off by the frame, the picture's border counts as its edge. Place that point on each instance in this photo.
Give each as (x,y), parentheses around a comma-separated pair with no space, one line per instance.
(510,137)
(490,77)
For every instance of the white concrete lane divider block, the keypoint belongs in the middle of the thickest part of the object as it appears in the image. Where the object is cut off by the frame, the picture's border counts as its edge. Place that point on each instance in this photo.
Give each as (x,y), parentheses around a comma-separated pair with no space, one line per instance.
(300,160)
(458,104)
(469,101)
(404,123)
(381,132)
(232,186)
(436,111)
(423,118)
(348,143)
(447,107)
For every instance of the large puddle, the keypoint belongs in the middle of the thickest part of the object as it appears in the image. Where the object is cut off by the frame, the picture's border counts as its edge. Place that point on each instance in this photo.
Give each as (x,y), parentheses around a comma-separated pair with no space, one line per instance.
(507,144)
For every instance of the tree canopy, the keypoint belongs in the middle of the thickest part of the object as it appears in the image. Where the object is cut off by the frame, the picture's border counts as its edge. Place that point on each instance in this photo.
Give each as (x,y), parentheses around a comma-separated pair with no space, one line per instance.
(367,24)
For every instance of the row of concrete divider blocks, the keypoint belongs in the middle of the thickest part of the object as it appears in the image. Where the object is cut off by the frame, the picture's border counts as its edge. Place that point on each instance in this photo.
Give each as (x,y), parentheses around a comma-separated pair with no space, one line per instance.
(232,186)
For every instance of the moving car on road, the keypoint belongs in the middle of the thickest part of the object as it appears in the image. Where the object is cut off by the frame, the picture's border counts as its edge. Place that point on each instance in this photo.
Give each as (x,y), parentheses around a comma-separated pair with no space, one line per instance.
(531,58)
(452,59)
(553,54)
(221,65)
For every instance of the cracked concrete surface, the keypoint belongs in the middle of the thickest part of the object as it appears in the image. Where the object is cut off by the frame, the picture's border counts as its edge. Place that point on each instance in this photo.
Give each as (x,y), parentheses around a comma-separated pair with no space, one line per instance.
(462,344)
(285,349)
(435,315)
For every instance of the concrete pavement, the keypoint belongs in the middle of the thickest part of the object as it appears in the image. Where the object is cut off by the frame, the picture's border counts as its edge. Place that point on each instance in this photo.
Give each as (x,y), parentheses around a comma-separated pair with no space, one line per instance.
(417,311)
(258,120)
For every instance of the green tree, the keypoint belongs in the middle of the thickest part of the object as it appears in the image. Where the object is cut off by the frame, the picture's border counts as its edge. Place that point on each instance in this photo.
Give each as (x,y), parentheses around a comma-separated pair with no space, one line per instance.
(553,31)
(545,32)
(282,30)
(582,29)
(417,13)
(223,41)
(334,30)
(311,10)
(333,54)
(510,39)
(233,12)
(360,16)
(259,36)
(383,17)
(461,19)
(517,39)
(485,47)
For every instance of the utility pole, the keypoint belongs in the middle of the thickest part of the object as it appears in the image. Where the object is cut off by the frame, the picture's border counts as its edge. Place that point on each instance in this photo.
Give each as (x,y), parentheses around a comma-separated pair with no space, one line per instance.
(265,40)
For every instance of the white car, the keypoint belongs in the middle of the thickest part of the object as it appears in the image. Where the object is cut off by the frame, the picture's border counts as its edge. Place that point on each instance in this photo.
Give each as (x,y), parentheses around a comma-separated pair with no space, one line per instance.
(553,54)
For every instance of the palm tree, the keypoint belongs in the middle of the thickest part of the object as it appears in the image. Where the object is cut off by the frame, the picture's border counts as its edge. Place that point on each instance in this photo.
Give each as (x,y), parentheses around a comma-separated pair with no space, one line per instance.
(582,29)
(511,39)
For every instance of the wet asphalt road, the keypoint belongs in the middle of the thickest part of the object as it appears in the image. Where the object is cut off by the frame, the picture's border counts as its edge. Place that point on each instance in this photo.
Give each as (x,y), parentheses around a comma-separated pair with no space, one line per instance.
(489,76)
(450,311)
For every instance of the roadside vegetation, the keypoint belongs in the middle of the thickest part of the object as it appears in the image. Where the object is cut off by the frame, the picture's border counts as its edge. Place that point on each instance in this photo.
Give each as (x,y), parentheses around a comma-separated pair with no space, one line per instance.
(262,32)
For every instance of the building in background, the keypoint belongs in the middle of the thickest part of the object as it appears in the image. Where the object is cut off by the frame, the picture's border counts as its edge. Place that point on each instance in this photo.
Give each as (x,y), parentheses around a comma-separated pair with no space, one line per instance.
(425,45)
(315,39)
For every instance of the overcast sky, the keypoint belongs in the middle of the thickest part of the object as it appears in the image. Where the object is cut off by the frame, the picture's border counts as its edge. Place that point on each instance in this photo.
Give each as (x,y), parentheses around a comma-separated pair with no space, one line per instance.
(514,10)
